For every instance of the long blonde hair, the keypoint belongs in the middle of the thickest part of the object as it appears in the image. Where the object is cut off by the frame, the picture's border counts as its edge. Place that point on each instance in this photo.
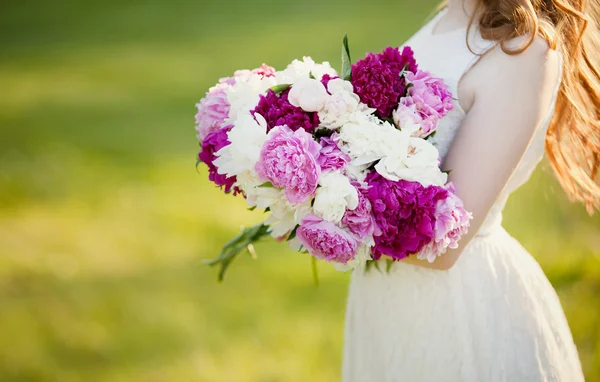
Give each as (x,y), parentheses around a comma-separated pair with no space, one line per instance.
(573,138)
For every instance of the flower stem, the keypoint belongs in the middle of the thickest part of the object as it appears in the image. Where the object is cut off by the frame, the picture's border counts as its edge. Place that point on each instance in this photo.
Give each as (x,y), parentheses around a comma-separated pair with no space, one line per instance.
(315,270)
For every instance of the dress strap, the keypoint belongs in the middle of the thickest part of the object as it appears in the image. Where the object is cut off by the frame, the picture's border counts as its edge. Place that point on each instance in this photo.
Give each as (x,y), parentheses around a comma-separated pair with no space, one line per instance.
(429,24)
(433,18)
(466,50)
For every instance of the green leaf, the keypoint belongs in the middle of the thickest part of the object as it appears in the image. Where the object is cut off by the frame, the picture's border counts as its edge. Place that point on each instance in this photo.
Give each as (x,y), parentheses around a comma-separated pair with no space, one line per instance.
(346,61)
(311,76)
(377,265)
(369,265)
(320,133)
(251,208)
(390,120)
(267,209)
(447,172)
(279,88)
(237,245)
(293,233)
(403,71)
(267,184)
(388,265)
(315,270)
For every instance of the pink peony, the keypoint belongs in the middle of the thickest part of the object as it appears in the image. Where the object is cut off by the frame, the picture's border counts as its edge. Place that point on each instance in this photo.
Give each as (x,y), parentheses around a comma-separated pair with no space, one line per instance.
(331,157)
(452,222)
(361,221)
(265,70)
(278,111)
(408,115)
(213,110)
(430,94)
(231,80)
(326,241)
(289,160)
(212,143)
(405,213)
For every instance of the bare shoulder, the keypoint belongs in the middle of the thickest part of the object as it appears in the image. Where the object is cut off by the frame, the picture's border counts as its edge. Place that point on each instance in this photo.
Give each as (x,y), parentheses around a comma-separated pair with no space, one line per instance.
(500,74)
(530,76)
(535,67)
(537,56)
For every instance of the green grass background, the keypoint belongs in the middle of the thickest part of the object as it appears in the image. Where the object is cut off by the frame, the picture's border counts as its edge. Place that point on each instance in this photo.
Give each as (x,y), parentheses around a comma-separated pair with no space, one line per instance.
(104,222)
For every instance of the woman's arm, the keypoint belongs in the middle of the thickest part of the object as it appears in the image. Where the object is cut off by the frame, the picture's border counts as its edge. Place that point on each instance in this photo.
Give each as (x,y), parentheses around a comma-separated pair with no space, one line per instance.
(512,97)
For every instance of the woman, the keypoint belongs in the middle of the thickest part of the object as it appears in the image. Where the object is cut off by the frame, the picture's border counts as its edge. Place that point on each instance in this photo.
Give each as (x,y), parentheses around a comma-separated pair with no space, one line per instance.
(524,72)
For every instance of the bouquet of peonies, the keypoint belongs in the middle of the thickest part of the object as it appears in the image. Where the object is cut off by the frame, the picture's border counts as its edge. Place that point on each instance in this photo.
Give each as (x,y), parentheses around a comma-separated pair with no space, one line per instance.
(341,162)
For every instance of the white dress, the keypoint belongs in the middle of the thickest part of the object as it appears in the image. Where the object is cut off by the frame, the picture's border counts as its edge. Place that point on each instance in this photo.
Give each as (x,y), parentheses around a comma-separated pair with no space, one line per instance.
(494,316)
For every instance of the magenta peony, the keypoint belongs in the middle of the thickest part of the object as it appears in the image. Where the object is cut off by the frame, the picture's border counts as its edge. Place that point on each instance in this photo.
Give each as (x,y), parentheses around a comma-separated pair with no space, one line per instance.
(326,241)
(405,212)
(376,84)
(331,157)
(288,160)
(430,94)
(397,61)
(451,223)
(361,221)
(278,111)
(212,143)
(377,81)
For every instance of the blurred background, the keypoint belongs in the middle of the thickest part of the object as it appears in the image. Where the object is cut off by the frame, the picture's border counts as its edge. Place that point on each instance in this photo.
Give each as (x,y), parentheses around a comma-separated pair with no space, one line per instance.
(104,222)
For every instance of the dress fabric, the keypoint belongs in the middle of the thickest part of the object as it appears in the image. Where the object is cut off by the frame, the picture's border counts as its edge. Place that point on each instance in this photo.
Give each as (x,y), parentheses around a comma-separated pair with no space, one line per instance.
(494,316)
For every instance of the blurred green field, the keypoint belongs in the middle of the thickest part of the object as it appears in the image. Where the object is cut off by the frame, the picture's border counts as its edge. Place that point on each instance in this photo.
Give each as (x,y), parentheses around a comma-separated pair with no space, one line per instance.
(104,222)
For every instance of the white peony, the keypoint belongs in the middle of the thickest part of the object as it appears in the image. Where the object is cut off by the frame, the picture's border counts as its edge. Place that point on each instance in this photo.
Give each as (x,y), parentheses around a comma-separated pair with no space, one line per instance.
(400,156)
(363,254)
(283,216)
(408,118)
(420,163)
(308,94)
(247,181)
(298,70)
(263,197)
(334,196)
(342,106)
(405,117)
(319,70)
(283,219)
(368,140)
(239,158)
(356,172)
(244,95)
(337,85)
